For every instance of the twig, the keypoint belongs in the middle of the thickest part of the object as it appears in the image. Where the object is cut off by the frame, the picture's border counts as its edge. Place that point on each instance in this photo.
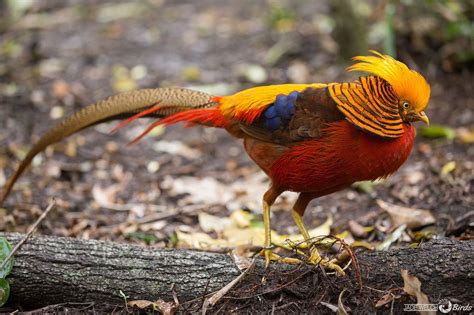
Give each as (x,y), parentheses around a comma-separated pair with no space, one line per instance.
(219,294)
(28,234)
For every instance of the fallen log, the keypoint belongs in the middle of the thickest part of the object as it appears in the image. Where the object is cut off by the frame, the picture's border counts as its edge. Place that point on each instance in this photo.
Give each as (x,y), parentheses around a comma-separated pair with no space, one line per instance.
(51,270)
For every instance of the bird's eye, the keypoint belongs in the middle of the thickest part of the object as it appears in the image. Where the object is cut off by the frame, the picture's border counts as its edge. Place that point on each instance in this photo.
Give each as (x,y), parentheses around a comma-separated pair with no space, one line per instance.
(405,105)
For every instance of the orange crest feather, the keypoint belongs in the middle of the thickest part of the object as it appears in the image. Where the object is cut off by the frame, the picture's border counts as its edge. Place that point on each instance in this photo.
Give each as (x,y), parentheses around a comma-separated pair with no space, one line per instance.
(408,84)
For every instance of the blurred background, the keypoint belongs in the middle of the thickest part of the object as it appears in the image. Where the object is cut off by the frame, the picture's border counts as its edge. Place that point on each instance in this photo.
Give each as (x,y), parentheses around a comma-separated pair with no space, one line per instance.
(57,56)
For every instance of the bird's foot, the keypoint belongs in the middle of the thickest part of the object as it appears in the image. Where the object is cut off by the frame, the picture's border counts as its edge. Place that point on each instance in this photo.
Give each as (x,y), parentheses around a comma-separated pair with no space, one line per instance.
(271,256)
(330,265)
(314,258)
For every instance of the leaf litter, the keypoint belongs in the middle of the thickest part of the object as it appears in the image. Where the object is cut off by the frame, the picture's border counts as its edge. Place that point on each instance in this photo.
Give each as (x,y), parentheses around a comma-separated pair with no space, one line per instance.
(149,205)
(412,286)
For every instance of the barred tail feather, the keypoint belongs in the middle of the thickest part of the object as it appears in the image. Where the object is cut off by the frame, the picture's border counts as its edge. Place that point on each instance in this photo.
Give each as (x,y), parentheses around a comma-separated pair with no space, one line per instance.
(159,103)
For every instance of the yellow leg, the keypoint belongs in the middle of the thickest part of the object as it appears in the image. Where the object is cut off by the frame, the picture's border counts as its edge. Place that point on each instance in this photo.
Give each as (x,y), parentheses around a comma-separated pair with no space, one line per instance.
(268,234)
(314,257)
(299,222)
(267,246)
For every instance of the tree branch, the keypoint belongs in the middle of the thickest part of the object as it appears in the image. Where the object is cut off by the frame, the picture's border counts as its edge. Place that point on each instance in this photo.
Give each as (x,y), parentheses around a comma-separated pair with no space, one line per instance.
(51,270)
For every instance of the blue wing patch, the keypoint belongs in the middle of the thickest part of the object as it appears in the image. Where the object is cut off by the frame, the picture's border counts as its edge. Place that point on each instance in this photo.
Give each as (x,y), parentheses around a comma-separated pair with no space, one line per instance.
(281,111)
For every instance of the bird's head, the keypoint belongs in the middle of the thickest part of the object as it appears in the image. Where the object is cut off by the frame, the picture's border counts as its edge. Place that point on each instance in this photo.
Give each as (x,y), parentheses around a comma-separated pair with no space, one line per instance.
(410,87)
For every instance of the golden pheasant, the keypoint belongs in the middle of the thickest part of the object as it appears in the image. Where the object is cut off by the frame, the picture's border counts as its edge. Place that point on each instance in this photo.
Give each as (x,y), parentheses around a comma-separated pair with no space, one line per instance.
(314,139)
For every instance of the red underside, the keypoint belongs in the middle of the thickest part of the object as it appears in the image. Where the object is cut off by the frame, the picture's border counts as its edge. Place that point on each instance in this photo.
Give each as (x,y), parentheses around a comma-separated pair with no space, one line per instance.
(345,156)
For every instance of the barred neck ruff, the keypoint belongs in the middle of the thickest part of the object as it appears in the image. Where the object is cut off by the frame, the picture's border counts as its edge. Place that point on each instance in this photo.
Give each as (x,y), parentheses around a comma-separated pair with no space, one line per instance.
(369,104)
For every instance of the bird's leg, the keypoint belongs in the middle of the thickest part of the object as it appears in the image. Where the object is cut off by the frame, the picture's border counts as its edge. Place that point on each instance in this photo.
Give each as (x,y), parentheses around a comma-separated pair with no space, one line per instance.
(267,249)
(268,200)
(314,257)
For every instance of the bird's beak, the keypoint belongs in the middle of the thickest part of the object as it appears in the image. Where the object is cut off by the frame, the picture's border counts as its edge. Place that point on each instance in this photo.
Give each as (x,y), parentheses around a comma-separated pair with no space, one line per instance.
(422,117)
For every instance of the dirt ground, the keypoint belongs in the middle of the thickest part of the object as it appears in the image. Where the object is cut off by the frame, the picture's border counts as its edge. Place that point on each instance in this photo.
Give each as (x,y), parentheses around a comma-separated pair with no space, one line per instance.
(62,56)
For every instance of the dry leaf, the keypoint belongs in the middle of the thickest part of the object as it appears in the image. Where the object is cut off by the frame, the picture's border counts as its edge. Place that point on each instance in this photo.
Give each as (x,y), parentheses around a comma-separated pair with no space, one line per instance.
(387,298)
(166,308)
(141,304)
(105,197)
(465,135)
(209,223)
(250,236)
(205,190)
(356,229)
(212,223)
(448,167)
(412,286)
(413,218)
(154,226)
(241,218)
(391,238)
(322,230)
(199,240)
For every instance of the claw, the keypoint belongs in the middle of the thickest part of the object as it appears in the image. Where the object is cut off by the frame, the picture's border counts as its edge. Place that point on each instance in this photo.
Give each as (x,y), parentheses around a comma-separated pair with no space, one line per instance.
(329,265)
(268,256)
(271,256)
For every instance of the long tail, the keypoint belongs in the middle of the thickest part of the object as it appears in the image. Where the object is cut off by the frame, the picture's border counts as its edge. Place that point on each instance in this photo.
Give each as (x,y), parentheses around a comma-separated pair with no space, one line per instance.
(159,103)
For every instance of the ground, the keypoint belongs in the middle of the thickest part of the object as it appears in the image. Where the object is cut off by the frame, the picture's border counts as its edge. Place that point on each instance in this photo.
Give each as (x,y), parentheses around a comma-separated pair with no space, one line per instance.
(62,56)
